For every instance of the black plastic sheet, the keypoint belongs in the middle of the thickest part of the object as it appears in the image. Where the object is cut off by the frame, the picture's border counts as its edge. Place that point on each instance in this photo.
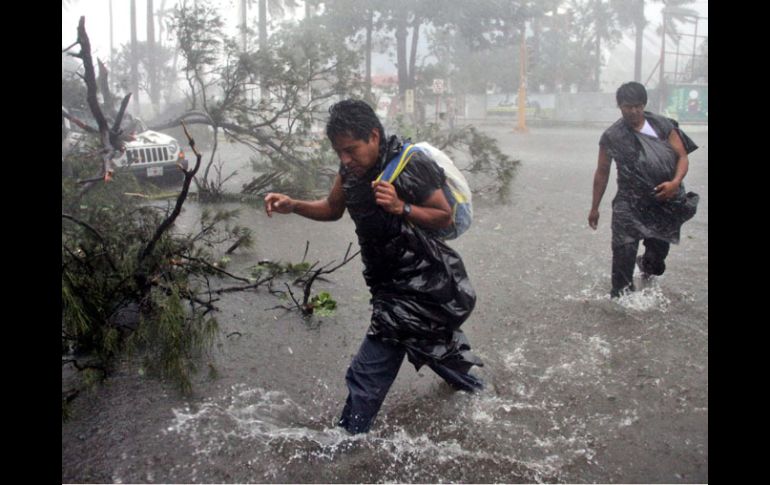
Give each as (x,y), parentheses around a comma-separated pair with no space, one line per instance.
(643,162)
(421,293)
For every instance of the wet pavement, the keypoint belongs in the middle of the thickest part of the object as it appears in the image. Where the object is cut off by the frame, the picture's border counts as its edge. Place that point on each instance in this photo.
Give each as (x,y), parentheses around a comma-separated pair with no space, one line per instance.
(580,388)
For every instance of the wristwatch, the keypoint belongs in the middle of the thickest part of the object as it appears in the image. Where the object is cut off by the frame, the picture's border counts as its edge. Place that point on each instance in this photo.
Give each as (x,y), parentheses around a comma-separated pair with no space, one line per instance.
(407,209)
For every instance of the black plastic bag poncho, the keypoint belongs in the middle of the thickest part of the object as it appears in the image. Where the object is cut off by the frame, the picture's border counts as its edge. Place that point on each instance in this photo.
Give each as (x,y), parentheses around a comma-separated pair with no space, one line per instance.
(642,163)
(420,290)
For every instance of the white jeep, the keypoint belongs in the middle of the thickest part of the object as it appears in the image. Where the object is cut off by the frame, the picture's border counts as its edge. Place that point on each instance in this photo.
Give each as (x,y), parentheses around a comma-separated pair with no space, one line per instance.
(149,155)
(152,154)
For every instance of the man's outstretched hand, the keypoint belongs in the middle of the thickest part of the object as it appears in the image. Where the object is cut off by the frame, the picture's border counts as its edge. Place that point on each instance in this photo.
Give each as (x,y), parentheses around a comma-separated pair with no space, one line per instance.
(280,203)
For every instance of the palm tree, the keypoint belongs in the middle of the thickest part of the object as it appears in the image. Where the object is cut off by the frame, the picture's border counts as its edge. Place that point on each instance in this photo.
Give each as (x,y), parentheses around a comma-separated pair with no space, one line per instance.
(273,8)
(631,13)
(603,27)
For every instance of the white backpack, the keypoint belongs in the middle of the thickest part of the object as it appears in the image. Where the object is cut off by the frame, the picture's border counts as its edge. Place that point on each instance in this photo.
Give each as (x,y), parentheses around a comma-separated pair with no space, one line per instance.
(456,189)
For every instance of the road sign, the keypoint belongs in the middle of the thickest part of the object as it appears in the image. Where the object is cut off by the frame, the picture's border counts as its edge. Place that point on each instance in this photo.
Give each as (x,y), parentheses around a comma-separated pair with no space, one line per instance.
(438,86)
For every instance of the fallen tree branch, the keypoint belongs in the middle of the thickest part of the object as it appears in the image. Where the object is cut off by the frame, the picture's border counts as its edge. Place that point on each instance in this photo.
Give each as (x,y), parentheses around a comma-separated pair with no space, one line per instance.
(202,118)
(304,309)
(232,289)
(236,244)
(80,123)
(70,47)
(104,84)
(84,224)
(215,268)
(110,143)
(189,174)
(323,270)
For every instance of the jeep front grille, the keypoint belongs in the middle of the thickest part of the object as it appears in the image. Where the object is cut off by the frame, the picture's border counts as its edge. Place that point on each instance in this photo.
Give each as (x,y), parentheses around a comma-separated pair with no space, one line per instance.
(148,155)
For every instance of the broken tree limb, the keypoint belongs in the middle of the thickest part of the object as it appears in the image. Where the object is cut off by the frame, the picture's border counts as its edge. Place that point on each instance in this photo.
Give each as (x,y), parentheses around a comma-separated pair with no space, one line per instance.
(236,244)
(82,124)
(322,270)
(70,47)
(215,268)
(90,77)
(104,85)
(259,183)
(252,286)
(304,309)
(110,144)
(121,112)
(188,176)
(202,118)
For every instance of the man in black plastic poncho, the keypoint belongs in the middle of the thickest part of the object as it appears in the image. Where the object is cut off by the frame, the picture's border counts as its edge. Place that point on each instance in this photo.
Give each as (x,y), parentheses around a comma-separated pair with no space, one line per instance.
(650,152)
(420,289)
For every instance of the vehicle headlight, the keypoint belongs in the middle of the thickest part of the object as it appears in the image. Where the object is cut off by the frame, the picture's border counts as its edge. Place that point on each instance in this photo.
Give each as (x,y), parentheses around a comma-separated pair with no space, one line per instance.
(173,147)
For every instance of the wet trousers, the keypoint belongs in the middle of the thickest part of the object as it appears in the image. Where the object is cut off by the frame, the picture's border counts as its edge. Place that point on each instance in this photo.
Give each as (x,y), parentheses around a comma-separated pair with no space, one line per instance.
(371,374)
(624,260)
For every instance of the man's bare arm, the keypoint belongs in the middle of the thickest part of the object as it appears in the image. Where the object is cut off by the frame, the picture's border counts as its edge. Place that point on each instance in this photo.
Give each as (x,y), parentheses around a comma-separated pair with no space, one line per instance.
(601,177)
(329,209)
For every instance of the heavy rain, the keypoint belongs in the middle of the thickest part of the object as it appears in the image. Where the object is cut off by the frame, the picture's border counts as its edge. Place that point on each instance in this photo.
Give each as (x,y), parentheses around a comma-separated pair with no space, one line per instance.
(205,341)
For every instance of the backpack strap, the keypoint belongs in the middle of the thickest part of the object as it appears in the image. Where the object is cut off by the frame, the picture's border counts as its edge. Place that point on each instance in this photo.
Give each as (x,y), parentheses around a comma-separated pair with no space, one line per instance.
(397,164)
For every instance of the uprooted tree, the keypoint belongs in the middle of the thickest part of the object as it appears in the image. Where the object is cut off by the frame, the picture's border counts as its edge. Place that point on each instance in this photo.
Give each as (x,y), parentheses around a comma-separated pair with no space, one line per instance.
(131,286)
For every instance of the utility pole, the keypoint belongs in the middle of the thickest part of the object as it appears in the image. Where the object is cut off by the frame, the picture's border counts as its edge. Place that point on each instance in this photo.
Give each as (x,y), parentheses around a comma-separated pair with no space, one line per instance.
(521,127)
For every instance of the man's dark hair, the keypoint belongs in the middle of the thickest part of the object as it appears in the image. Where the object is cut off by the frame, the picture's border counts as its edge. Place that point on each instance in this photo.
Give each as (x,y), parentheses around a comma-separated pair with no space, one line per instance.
(354,118)
(631,93)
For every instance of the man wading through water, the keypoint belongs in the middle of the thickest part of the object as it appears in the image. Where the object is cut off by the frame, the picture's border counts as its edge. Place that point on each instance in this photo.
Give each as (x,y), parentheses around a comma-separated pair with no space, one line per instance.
(420,290)
(650,152)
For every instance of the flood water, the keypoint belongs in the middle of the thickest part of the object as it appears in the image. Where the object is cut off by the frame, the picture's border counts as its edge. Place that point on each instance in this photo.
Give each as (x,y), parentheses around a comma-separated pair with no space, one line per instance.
(579,388)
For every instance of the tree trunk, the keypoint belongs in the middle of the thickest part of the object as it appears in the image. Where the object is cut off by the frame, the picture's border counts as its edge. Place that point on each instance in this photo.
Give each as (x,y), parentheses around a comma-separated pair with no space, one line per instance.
(262,24)
(134,62)
(413,55)
(244,15)
(598,67)
(263,41)
(368,49)
(639,23)
(401,60)
(104,87)
(152,68)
